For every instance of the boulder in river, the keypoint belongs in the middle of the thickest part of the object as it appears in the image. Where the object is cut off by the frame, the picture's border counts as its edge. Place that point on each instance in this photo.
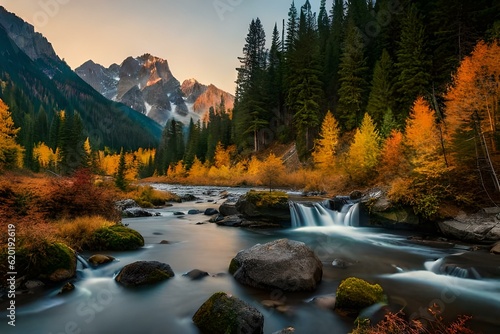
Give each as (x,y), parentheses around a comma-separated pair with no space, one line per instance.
(223,313)
(495,249)
(211,212)
(116,238)
(477,228)
(355,294)
(282,264)
(196,274)
(264,205)
(99,259)
(144,273)
(228,209)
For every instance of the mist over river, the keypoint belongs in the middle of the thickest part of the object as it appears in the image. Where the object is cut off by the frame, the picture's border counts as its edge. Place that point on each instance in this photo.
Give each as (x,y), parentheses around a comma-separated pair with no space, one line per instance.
(413,276)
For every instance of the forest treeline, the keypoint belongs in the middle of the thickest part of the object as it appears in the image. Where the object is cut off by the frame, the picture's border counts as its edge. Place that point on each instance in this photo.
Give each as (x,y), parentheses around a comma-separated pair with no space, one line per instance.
(400,94)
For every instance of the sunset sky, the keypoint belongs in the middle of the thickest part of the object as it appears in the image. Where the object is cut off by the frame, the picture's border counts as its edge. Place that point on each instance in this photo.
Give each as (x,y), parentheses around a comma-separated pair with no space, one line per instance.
(200,38)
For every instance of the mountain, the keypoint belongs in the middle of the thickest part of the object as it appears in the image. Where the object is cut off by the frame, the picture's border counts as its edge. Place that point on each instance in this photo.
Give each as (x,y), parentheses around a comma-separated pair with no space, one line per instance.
(200,98)
(146,84)
(36,84)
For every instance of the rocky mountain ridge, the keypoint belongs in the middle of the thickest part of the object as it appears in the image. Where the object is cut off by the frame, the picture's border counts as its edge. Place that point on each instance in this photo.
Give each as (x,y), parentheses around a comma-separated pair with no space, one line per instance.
(146,84)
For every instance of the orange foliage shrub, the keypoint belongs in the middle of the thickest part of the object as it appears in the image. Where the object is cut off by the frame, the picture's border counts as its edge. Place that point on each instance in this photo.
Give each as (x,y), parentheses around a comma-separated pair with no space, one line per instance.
(77,196)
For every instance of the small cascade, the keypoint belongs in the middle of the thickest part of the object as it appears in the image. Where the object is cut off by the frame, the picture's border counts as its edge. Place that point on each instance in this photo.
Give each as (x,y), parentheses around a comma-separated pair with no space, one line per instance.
(310,214)
(440,267)
(81,262)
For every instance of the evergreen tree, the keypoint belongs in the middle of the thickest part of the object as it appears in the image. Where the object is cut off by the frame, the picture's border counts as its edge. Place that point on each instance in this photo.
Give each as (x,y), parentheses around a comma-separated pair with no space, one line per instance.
(412,64)
(292,28)
(333,53)
(381,96)
(352,78)
(120,181)
(249,114)
(305,93)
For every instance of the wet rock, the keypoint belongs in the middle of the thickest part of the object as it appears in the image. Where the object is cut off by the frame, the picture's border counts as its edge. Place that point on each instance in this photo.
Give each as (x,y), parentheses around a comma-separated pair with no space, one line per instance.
(210,212)
(228,209)
(99,259)
(34,284)
(194,212)
(355,294)
(179,213)
(189,198)
(200,223)
(230,221)
(289,330)
(355,195)
(126,204)
(144,273)
(68,287)
(223,313)
(164,242)
(259,224)
(341,263)
(196,274)
(136,213)
(325,302)
(282,264)
(476,228)
(264,206)
(496,248)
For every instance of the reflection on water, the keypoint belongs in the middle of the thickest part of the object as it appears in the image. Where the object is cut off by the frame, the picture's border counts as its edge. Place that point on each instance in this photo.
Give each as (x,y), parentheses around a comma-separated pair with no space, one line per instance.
(413,276)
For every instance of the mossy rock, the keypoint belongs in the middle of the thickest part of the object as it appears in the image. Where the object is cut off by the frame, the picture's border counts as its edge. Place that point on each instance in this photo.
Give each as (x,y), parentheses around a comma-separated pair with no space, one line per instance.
(268,199)
(144,273)
(48,261)
(234,266)
(222,313)
(116,238)
(355,294)
(265,206)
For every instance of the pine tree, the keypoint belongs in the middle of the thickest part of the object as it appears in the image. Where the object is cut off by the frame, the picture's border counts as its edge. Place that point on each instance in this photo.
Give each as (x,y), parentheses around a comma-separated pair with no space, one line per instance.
(326,147)
(292,28)
(381,96)
(352,78)
(249,114)
(120,181)
(412,64)
(333,53)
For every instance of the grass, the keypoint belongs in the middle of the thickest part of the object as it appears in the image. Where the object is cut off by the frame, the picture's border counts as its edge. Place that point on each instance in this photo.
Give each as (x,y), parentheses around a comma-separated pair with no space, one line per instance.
(148,197)
(78,232)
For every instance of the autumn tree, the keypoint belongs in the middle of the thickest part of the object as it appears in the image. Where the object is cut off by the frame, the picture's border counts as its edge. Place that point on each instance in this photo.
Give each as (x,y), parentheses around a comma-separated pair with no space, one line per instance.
(472,111)
(423,139)
(326,146)
(11,153)
(362,158)
(393,162)
(272,171)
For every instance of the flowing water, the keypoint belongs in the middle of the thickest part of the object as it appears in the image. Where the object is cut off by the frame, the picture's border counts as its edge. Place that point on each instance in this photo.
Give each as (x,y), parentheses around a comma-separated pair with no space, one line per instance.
(413,276)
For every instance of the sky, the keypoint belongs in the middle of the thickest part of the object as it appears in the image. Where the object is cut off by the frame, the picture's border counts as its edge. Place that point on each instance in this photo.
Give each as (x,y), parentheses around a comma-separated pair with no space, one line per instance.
(201,39)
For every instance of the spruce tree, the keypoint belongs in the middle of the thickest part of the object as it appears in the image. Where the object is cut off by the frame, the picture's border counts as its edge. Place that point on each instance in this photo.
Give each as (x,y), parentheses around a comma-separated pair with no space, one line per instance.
(120,181)
(352,74)
(412,64)
(381,96)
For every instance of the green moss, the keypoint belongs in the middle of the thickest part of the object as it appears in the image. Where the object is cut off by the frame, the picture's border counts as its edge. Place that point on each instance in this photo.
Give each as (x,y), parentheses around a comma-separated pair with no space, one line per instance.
(116,238)
(41,260)
(234,266)
(219,319)
(355,294)
(157,275)
(276,199)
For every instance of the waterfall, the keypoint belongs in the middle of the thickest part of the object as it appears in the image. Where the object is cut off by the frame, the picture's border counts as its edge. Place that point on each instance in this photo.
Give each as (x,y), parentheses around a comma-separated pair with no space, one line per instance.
(307,214)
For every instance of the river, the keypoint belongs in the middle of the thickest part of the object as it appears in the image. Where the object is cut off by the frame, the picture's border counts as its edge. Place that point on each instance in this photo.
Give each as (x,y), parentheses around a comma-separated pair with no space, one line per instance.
(413,275)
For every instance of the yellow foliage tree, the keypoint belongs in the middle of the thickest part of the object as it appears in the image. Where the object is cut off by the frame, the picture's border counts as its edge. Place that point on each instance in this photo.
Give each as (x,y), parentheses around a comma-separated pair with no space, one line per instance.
(326,147)
(198,170)
(11,153)
(45,156)
(272,171)
(362,158)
